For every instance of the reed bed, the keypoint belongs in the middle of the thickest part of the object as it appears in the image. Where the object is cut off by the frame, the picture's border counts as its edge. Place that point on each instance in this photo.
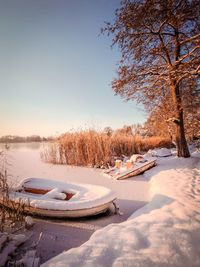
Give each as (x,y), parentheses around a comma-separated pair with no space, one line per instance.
(98,149)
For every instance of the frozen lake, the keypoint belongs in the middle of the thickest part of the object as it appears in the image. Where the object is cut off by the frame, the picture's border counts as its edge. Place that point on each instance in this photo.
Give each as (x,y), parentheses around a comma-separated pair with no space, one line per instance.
(24,161)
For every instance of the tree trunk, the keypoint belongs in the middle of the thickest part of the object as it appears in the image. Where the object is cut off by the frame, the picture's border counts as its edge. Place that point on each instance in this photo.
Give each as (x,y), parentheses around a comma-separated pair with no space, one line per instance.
(182,147)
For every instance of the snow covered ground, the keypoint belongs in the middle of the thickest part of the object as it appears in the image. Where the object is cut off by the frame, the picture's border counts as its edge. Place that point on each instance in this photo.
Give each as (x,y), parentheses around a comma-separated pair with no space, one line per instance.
(165,232)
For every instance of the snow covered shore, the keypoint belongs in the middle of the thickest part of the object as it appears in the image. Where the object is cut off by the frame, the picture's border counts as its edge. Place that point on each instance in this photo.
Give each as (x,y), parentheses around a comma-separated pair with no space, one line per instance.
(165,232)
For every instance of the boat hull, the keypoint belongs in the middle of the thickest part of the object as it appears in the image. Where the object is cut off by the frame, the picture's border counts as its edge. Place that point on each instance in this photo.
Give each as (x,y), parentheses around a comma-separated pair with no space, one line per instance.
(59,199)
(61,213)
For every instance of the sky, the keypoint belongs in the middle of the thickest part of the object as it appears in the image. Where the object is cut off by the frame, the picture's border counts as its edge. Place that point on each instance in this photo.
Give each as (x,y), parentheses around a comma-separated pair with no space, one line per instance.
(56,68)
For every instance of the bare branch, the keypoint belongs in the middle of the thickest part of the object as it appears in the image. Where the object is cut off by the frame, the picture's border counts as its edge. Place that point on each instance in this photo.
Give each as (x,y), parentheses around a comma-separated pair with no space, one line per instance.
(190,39)
(165,50)
(187,55)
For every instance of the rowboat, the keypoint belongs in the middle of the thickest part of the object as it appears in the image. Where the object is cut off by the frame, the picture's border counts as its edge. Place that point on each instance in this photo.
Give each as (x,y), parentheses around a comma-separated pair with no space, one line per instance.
(51,198)
(139,166)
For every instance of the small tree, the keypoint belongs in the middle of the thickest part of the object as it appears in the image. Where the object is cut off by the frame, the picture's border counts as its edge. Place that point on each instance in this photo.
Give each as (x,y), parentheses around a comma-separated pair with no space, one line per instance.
(160,45)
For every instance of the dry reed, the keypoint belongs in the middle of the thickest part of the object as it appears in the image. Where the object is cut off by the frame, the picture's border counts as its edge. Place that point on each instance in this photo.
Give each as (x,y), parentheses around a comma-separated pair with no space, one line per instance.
(97,149)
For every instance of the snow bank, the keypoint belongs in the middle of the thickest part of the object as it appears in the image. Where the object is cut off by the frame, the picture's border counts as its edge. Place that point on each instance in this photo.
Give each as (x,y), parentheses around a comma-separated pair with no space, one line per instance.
(165,232)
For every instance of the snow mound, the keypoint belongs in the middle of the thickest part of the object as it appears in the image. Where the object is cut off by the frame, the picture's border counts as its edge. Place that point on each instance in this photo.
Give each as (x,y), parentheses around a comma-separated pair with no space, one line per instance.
(165,232)
(161,152)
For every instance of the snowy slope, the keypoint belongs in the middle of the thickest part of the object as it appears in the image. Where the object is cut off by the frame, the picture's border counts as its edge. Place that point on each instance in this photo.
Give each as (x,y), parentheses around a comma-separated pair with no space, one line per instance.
(165,232)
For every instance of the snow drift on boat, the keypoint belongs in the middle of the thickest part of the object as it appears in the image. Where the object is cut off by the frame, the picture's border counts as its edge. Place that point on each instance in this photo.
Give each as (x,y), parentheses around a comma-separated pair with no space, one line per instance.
(62,199)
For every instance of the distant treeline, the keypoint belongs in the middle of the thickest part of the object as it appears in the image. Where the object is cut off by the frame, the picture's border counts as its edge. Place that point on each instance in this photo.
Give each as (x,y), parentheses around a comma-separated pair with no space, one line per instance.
(22,139)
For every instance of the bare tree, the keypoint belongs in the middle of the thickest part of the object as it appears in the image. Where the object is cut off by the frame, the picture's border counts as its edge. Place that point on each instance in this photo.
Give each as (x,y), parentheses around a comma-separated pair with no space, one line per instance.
(160,45)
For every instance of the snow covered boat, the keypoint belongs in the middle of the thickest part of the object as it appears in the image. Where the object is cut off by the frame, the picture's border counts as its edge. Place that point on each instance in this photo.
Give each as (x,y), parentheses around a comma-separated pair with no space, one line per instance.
(61,199)
(139,166)
(137,169)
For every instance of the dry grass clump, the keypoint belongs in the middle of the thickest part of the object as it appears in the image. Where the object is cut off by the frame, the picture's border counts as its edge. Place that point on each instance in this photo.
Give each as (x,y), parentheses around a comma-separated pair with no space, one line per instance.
(52,153)
(98,149)
(9,217)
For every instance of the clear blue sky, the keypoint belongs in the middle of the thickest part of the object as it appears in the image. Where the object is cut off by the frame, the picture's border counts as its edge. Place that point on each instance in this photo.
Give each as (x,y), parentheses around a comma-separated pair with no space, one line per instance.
(55,69)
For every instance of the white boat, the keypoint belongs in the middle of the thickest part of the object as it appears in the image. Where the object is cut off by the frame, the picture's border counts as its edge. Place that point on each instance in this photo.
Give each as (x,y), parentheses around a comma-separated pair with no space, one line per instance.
(139,166)
(61,199)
